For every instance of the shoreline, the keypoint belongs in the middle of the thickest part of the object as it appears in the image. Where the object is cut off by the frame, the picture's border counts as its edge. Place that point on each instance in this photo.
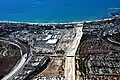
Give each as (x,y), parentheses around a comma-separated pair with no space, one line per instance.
(47,23)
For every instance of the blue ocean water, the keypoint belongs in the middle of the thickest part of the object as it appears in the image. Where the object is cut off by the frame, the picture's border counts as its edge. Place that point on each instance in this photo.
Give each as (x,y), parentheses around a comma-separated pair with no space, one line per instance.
(55,10)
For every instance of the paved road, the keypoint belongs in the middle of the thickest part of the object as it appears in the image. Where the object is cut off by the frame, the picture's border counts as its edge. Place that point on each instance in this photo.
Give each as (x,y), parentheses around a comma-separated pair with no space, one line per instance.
(70,61)
(104,36)
(20,65)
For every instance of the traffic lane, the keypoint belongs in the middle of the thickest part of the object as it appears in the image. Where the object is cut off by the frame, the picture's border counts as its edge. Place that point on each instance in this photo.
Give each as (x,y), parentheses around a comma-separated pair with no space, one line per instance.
(107,37)
(23,48)
(23,59)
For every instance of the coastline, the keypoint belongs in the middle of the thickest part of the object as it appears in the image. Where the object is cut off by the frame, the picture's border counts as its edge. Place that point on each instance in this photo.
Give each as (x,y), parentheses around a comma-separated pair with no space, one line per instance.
(47,23)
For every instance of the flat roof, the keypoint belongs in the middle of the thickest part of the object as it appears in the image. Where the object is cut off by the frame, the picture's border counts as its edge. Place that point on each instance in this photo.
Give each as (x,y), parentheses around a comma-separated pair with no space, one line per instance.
(52,41)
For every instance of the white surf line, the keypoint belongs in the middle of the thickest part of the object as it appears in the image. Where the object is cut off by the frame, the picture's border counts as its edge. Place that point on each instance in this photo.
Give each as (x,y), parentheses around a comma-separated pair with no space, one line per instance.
(41,23)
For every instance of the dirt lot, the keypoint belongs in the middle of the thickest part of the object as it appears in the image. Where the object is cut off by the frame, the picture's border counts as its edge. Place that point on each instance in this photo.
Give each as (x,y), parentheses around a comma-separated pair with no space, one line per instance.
(56,68)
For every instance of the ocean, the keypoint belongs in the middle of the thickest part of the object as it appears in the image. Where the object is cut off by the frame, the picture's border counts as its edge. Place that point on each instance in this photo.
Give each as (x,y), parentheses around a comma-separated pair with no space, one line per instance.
(55,10)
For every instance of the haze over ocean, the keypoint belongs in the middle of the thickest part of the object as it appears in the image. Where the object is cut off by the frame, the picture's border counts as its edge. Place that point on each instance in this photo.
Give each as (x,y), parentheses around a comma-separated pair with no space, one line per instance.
(55,10)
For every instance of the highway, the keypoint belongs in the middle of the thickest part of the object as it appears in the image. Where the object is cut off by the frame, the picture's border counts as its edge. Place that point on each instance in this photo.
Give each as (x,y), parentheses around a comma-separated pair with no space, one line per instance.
(43,64)
(70,61)
(18,67)
(104,36)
